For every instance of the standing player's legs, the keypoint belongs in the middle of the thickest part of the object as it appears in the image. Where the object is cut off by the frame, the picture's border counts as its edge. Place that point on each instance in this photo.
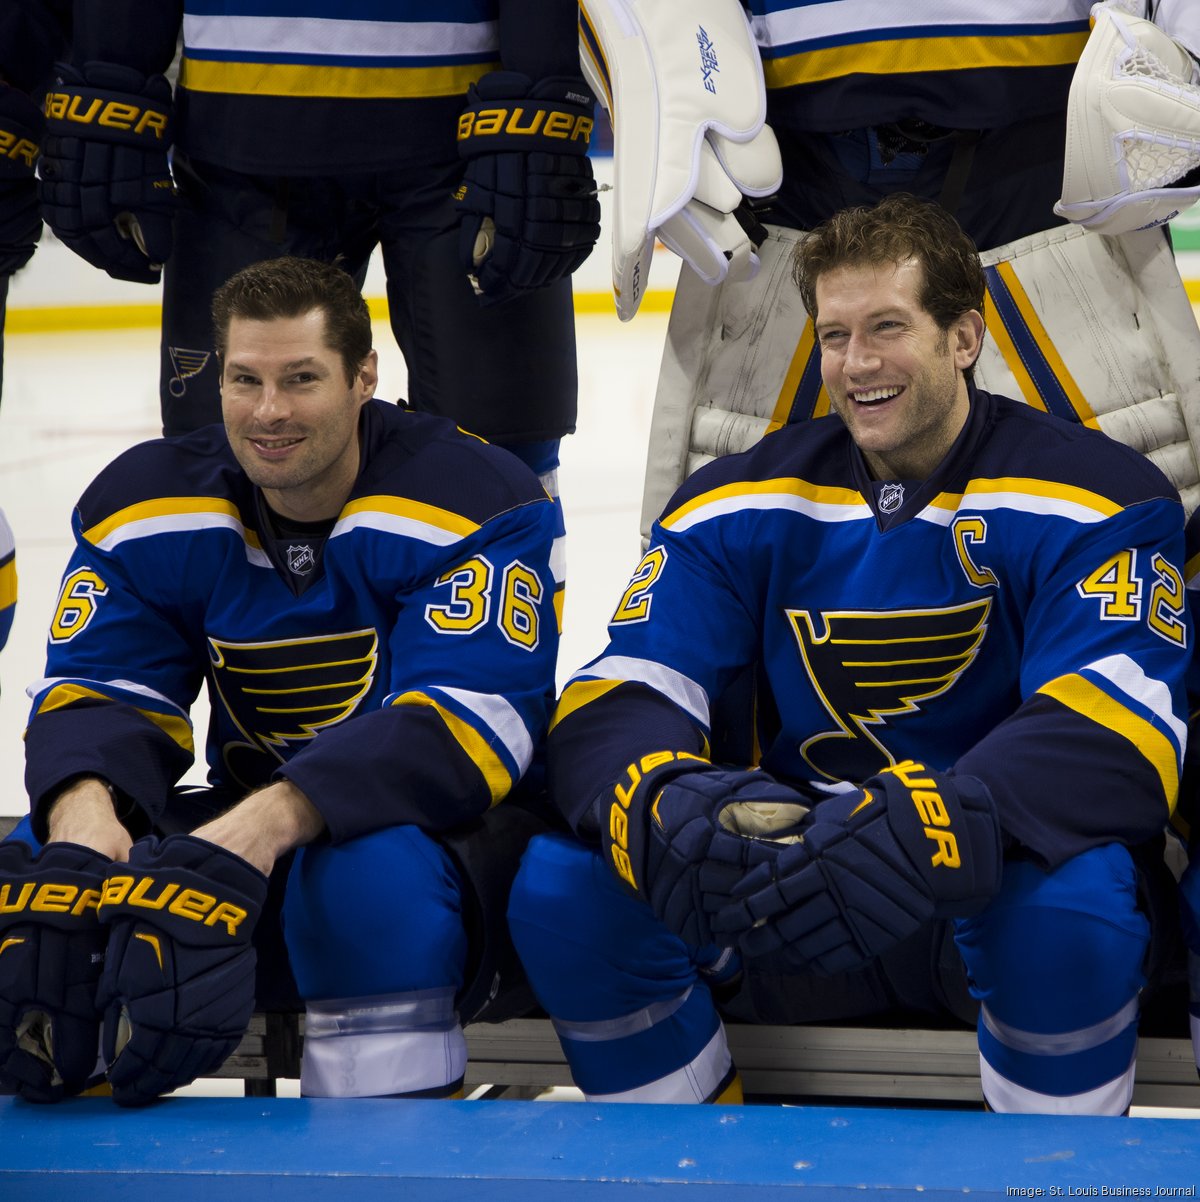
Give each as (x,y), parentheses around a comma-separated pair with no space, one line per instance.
(1057,962)
(374,931)
(226,221)
(628,999)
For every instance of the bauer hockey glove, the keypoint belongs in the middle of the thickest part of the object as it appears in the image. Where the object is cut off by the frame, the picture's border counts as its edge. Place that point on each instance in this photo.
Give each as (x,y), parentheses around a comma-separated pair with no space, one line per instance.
(527,202)
(21,130)
(681,834)
(872,867)
(51,954)
(178,984)
(106,184)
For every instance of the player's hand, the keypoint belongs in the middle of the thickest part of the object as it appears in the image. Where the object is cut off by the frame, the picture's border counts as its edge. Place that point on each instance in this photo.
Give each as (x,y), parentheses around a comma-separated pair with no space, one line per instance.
(527,202)
(51,954)
(106,183)
(21,131)
(681,834)
(178,984)
(871,868)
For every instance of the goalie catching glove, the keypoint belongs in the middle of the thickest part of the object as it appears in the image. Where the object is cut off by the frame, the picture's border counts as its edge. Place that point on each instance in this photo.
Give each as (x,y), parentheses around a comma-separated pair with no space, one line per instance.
(528,202)
(178,984)
(51,954)
(872,866)
(684,88)
(21,129)
(680,834)
(106,184)
(1133,127)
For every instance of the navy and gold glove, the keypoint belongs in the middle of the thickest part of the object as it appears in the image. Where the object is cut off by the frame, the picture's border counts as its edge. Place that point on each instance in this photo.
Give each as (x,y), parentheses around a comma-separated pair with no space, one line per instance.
(178,984)
(21,130)
(872,867)
(681,834)
(106,183)
(527,201)
(51,954)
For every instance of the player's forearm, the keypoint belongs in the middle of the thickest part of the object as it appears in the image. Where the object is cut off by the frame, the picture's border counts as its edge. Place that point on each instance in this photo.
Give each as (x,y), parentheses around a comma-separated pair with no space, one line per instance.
(266,825)
(84,813)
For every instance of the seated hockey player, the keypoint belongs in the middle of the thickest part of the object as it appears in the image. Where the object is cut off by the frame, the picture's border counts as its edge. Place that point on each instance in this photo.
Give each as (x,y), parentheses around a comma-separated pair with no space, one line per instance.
(971,639)
(366,592)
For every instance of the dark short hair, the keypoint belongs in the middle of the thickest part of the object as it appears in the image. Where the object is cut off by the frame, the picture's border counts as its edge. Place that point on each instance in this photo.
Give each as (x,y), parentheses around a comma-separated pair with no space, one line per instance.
(899,228)
(292,287)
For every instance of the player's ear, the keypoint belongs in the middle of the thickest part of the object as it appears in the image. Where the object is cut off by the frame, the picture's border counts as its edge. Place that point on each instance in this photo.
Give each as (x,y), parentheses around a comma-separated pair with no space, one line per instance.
(368,375)
(967,338)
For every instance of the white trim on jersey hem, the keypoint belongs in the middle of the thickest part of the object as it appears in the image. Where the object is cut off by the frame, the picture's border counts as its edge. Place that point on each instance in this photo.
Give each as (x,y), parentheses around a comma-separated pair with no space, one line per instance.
(834,18)
(126,686)
(695,1082)
(1007,1097)
(330,36)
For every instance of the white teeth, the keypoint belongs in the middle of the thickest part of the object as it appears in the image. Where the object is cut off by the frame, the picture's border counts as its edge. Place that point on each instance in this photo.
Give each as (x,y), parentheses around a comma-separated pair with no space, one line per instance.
(871,395)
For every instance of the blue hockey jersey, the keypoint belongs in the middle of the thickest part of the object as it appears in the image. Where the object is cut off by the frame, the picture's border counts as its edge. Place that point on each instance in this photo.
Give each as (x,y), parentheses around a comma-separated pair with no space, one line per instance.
(408,682)
(8,578)
(300,87)
(1019,616)
(832,65)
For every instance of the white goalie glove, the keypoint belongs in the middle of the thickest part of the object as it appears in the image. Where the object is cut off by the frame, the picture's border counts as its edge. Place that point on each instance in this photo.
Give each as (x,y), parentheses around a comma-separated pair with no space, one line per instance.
(1133,126)
(684,89)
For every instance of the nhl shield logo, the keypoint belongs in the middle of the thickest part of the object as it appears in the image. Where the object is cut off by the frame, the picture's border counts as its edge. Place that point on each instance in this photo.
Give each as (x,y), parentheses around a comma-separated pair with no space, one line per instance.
(301,560)
(891,497)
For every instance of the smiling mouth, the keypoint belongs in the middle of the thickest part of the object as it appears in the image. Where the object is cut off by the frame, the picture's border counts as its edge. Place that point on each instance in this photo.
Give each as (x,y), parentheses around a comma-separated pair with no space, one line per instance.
(275,444)
(873,396)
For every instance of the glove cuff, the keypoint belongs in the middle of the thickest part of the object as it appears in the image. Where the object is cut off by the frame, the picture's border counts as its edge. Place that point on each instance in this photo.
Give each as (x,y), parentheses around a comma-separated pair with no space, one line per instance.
(554,116)
(199,893)
(627,808)
(949,827)
(59,887)
(21,129)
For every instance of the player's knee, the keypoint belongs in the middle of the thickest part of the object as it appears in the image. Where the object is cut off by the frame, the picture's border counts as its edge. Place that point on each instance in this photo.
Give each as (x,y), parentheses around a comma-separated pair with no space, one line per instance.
(590,949)
(380,914)
(1061,950)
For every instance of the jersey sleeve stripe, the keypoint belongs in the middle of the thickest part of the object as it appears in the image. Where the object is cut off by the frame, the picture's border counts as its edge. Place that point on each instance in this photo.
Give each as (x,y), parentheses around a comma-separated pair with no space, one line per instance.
(500,717)
(168,515)
(680,689)
(579,693)
(496,777)
(8,583)
(824,504)
(1093,703)
(61,695)
(1127,675)
(410,519)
